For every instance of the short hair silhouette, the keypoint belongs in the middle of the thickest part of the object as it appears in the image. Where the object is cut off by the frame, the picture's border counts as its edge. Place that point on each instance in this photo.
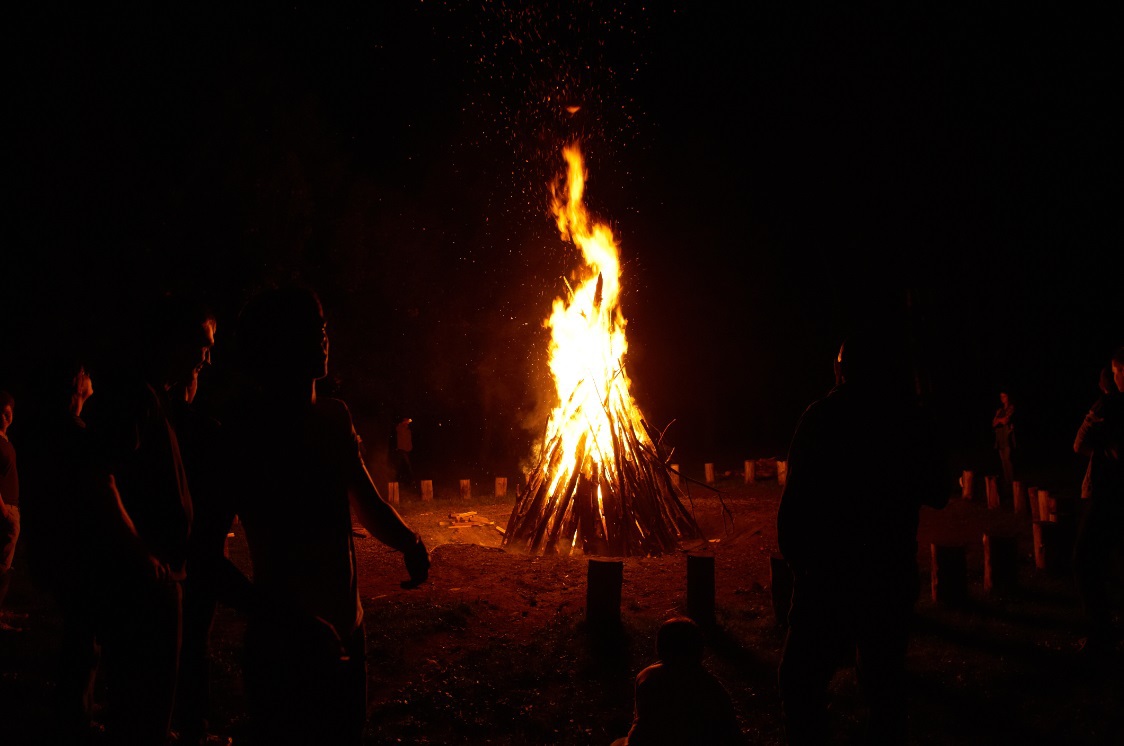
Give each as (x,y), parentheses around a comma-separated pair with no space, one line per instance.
(679,639)
(272,321)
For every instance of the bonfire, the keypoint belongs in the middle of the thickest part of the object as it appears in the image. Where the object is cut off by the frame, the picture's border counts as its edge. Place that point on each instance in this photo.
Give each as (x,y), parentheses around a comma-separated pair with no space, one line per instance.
(602,483)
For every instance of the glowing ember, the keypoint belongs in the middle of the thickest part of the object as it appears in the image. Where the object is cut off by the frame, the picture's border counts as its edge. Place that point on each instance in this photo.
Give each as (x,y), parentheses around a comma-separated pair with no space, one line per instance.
(602,484)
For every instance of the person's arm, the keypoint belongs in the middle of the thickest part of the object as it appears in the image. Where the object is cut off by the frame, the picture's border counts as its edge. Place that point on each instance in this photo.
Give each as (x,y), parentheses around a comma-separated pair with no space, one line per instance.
(1088,435)
(121,532)
(378,516)
(386,525)
(115,428)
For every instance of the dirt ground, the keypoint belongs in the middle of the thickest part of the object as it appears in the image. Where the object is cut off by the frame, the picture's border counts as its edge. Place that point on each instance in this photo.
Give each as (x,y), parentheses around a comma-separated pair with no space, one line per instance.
(495,649)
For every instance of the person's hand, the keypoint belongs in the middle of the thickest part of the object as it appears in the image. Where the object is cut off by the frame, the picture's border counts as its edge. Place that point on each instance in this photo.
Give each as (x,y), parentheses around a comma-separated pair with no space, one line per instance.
(417,564)
(161,572)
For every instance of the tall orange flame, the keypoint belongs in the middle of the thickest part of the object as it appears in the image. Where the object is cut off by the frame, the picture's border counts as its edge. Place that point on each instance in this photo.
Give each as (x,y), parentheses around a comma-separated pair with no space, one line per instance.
(602,484)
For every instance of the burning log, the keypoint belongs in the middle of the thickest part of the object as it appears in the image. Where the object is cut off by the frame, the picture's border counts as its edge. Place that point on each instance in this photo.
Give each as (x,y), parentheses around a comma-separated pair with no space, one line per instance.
(601,483)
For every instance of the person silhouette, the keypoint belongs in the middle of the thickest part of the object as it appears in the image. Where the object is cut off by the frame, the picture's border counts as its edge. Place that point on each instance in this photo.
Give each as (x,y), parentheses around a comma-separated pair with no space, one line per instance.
(677,700)
(197,428)
(1101,438)
(9,504)
(402,446)
(1003,426)
(142,517)
(851,542)
(294,473)
(57,499)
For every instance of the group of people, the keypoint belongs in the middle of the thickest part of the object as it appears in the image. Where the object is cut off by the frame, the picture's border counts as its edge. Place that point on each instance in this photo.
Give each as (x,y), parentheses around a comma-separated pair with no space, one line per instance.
(851,543)
(129,489)
(129,494)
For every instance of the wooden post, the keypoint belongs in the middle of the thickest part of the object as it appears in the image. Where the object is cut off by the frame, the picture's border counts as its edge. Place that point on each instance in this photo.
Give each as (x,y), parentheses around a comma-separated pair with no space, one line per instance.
(709,473)
(392,493)
(948,573)
(1043,505)
(992,483)
(603,593)
(966,484)
(501,486)
(427,490)
(1000,562)
(1046,545)
(780,586)
(675,475)
(466,489)
(1018,490)
(700,588)
(750,472)
(782,472)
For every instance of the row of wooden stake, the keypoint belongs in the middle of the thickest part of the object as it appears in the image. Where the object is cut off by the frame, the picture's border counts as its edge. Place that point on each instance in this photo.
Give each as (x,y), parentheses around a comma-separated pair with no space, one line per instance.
(393,495)
(1038,502)
(750,474)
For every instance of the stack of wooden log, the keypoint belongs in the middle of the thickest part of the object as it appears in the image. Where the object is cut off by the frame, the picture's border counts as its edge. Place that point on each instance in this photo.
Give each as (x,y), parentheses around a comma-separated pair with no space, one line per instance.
(623,503)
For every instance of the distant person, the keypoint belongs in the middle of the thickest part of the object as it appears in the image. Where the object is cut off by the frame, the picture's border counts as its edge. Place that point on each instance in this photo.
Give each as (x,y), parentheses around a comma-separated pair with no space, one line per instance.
(1101,439)
(402,446)
(9,507)
(58,515)
(1003,425)
(295,473)
(143,518)
(677,700)
(851,540)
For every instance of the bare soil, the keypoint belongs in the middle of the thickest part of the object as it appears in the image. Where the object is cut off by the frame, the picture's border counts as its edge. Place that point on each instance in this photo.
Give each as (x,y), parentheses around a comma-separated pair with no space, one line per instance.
(494,648)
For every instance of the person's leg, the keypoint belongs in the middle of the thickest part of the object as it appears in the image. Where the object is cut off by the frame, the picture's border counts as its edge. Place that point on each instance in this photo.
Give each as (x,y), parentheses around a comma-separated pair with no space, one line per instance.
(300,690)
(9,535)
(1091,555)
(77,663)
(141,643)
(193,690)
(881,672)
(812,651)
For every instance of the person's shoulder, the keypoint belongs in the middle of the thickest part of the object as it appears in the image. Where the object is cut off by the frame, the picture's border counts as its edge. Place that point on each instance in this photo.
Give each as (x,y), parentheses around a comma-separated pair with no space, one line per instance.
(334,411)
(655,670)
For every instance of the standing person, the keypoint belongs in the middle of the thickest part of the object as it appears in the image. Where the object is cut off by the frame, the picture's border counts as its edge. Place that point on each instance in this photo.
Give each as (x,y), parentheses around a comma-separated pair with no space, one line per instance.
(295,474)
(1101,439)
(9,505)
(1003,424)
(143,519)
(851,541)
(57,518)
(403,444)
(198,431)
(678,701)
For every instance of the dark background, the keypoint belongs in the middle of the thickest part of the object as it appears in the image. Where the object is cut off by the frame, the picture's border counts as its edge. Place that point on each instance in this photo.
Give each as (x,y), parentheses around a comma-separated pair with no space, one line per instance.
(771,174)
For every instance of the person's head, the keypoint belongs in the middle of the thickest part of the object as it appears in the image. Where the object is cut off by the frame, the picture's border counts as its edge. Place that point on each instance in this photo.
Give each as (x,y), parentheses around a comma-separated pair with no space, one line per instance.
(1118,369)
(176,337)
(7,410)
(1106,383)
(62,383)
(1004,398)
(874,355)
(282,336)
(679,640)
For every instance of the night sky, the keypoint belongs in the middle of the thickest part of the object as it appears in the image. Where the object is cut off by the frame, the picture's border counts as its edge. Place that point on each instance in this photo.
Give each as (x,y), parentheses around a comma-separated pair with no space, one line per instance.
(770,174)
